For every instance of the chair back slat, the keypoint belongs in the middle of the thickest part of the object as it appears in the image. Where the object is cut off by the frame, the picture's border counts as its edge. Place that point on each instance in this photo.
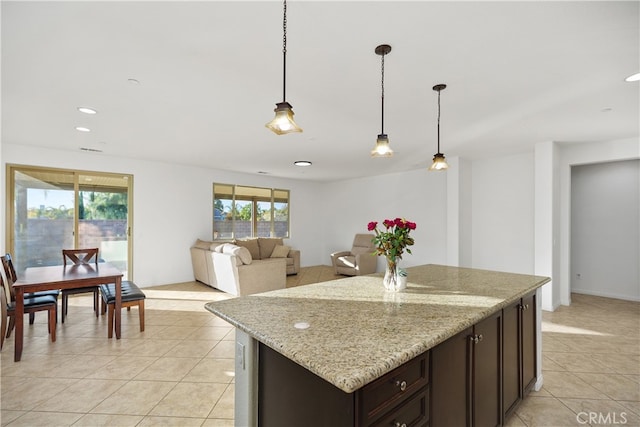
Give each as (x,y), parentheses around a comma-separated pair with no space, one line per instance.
(80,256)
(9,269)
(10,274)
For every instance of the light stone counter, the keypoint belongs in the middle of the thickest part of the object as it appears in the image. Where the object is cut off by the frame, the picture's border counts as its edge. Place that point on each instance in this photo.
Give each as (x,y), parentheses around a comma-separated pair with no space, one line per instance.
(357,332)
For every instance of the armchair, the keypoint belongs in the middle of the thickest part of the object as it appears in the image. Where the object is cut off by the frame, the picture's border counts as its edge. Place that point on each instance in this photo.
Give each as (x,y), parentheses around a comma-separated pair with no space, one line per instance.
(359,260)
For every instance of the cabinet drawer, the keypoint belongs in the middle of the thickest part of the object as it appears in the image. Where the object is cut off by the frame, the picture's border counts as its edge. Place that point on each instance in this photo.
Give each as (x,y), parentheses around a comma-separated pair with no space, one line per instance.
(411,413)
(391,389)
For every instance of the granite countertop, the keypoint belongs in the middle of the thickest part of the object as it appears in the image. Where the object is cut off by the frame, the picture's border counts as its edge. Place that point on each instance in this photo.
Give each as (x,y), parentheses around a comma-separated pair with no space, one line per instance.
(356,332)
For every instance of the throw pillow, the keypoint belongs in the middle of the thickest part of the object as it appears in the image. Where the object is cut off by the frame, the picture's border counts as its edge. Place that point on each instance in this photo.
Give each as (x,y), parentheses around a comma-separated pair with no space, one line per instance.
(267,244)
(252,246)
(280,251)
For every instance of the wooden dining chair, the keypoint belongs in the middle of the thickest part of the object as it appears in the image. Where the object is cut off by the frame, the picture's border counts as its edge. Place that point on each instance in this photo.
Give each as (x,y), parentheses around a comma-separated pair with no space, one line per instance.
(79,257)
(10,272)
(131,296)
(31,305)
(3,313)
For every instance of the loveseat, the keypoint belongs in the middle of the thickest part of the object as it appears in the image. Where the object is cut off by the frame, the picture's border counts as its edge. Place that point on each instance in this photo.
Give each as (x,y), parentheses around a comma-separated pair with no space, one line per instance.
(244,267)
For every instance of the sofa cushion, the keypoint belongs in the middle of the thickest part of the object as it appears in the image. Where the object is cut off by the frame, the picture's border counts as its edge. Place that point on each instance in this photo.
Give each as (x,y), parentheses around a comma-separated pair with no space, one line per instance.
(280,251)
(267,244)
(252,246)
(242,253)
(346,261)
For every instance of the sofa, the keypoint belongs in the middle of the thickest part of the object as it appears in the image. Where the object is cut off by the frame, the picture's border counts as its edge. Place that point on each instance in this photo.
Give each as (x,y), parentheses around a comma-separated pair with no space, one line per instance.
(244,267)
(262,248)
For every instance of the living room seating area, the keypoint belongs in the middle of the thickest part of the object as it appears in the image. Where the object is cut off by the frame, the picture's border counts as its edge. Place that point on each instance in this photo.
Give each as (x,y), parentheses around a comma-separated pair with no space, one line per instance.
(235,266)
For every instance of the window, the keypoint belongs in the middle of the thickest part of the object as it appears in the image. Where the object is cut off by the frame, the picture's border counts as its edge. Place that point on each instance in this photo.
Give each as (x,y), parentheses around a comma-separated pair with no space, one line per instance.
(52,209)
(240,211)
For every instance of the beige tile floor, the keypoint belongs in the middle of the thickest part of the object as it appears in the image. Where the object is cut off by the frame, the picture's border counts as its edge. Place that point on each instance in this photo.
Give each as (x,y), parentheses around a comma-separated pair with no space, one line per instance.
(180,370)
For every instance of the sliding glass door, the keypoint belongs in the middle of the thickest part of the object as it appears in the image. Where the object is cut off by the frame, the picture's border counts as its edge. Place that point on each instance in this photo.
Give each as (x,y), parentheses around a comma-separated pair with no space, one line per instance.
(54,209)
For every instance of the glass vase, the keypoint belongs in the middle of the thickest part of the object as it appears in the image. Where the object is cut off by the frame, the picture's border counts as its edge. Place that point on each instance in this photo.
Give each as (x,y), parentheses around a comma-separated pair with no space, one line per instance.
(390,280)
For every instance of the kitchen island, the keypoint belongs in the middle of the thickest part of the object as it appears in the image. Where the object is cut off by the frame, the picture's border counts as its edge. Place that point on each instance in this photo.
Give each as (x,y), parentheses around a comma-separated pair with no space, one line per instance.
(334,353)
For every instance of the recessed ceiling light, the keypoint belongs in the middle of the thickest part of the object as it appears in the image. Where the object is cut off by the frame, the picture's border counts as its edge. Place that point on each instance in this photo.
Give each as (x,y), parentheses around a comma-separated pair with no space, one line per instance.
(633,78)
(133,81)
(82,129)
(302,163)
(87,110)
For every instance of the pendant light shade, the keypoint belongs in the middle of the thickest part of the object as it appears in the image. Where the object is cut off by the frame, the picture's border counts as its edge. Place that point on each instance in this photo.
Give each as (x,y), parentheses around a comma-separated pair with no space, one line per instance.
(283,122)
(382,148)
(439,161)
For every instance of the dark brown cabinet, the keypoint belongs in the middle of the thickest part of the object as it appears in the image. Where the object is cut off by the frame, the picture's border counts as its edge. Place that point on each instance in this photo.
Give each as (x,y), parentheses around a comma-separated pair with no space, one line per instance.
(466,375)
(291,396)
(475,379)
(519,352)
(392,396)
(449,381)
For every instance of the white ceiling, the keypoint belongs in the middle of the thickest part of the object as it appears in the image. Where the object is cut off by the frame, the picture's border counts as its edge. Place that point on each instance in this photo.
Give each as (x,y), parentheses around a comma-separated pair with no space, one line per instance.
(210,73)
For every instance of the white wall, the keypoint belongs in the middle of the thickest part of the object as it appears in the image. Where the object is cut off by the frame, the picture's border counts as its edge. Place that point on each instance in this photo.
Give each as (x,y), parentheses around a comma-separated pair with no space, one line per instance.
(172,207)
(495,216)
(503,214)
(581,154)
(418,196)
(605,229)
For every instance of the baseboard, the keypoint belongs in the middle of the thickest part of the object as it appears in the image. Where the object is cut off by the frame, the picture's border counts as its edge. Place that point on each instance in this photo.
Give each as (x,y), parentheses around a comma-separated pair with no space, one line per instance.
(605,294)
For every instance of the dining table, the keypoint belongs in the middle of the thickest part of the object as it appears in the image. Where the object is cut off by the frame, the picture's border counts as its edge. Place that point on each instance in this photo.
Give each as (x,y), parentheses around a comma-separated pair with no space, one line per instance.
(63,277)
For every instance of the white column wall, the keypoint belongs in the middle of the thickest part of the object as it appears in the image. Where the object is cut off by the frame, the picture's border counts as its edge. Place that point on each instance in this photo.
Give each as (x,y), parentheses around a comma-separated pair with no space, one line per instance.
(459,190)
(545,240)
(503,214)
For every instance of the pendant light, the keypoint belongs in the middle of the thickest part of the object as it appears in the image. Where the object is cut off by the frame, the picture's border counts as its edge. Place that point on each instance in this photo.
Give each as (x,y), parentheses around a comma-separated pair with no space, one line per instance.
(382,148)
(439,162)
(283,122)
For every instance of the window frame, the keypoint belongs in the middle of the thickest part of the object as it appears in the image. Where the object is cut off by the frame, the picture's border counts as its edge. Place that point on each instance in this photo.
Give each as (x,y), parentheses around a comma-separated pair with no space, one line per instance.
(248,193)
(77,187)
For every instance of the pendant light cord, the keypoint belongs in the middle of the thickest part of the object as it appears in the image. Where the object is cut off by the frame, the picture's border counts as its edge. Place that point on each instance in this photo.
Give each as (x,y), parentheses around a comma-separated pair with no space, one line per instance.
(382,91)
(284,52)
(439,121)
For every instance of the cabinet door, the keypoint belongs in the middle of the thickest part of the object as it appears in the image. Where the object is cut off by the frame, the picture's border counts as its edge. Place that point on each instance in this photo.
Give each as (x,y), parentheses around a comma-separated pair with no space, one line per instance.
(511,381)
(290,395)
(450,373)
(529,341)
(487,372)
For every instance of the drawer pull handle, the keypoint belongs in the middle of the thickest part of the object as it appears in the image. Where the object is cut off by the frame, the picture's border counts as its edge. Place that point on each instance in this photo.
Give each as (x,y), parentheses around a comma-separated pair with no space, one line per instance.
(402,385)
(475,339)
(398,424)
